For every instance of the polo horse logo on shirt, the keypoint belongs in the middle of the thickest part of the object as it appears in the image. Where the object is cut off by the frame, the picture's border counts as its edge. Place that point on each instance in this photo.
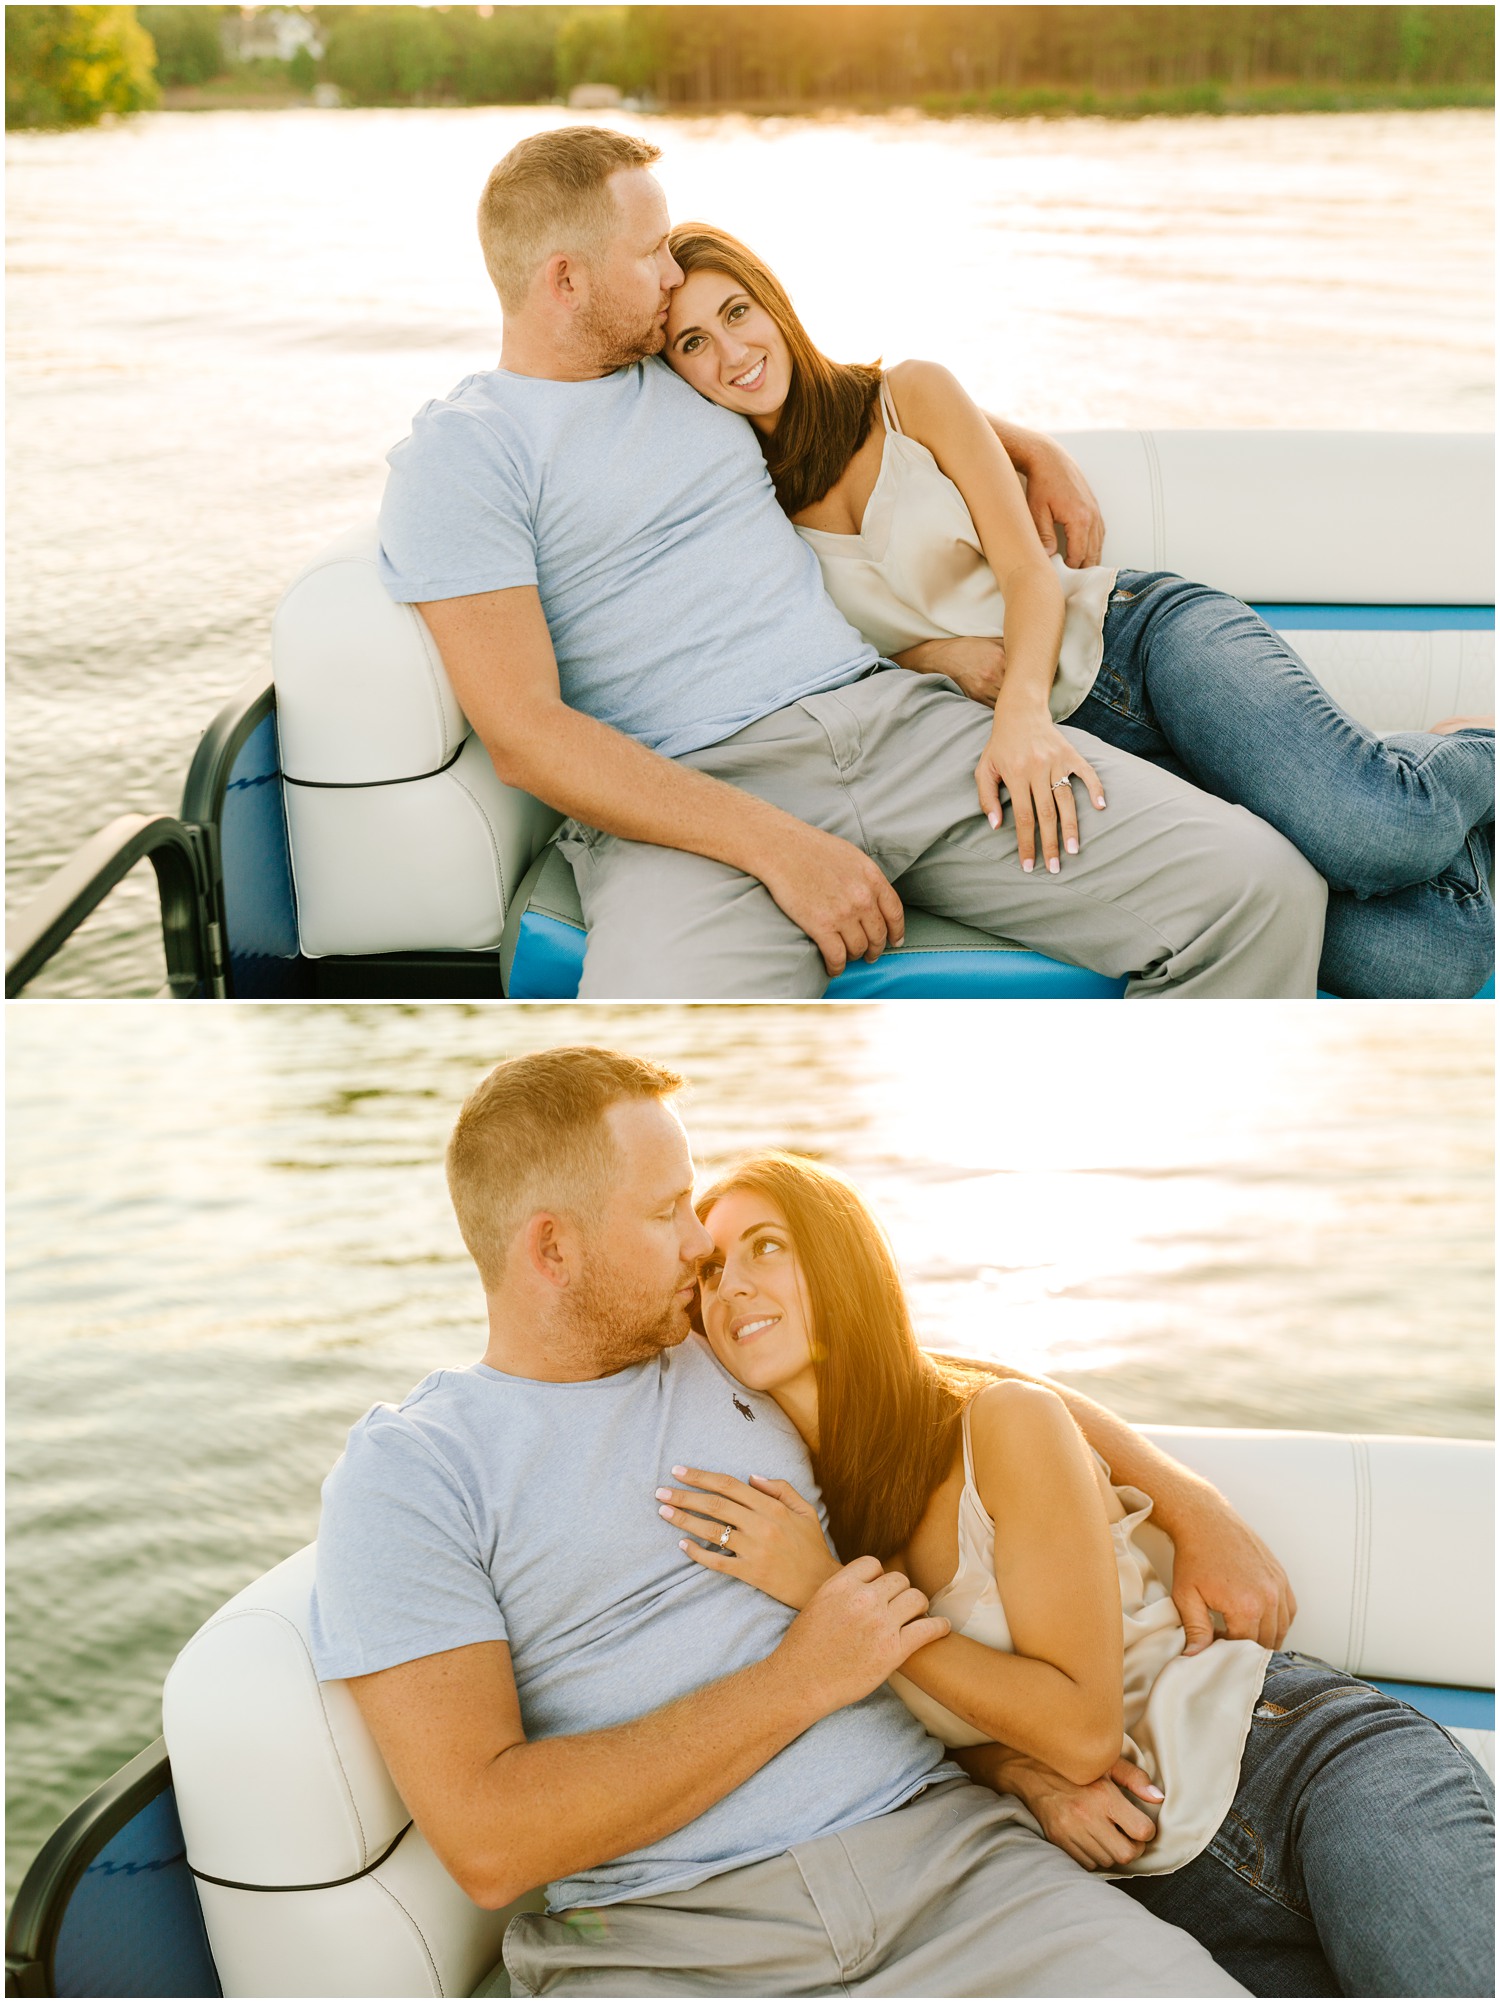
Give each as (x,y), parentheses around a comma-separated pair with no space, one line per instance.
(744,1410)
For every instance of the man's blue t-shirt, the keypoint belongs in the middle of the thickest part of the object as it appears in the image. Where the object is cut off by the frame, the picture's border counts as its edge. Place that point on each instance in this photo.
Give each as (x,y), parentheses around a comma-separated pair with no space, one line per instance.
(681,602)
(495,1508)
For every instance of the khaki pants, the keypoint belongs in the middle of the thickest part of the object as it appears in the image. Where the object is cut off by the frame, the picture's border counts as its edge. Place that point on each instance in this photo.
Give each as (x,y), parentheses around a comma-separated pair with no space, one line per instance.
(956,1894)
(1178,890)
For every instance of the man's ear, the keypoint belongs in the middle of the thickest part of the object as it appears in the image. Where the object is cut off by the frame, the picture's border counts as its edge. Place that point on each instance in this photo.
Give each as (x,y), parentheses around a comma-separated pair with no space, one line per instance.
(565,281)
(549,1245)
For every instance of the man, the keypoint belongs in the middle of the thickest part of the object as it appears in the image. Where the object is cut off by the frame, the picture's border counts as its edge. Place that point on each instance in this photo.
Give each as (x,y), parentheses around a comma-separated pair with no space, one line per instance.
(642,640)
(723,1796)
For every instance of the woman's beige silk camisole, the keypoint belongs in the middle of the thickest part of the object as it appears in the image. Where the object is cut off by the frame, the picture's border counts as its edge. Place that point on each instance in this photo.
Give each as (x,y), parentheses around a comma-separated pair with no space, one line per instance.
(916,570)
(1186,1716)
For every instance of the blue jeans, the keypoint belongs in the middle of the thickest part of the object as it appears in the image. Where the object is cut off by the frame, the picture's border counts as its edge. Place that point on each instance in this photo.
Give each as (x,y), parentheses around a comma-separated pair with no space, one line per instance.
(1402,827)
(1357,1858)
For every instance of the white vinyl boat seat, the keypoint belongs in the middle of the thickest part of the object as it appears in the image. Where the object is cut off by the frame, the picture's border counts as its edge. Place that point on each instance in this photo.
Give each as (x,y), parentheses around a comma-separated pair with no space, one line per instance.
(313,1883)
(1373,552)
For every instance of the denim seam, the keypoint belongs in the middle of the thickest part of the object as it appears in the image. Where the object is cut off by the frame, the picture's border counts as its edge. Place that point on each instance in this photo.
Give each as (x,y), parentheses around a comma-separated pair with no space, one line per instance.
(1255,1878)
(1104,701)
(1288,1715)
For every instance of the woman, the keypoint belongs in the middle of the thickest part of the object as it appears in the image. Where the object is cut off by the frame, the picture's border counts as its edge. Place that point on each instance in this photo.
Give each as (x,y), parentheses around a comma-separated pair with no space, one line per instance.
(917,518)
(1319,1837)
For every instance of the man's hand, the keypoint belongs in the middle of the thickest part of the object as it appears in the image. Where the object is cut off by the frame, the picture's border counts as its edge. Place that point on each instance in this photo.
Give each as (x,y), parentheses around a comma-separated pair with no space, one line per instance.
(1222,1566)
(856,1630)
(835,893)
(1100,1825)
(978,666)
(1057,494)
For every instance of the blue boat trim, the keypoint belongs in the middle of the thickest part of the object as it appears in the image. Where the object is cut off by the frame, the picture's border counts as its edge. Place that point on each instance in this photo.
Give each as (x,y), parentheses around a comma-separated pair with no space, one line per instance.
(549,961)
(1470,1710)
(959,972)
(1379,618)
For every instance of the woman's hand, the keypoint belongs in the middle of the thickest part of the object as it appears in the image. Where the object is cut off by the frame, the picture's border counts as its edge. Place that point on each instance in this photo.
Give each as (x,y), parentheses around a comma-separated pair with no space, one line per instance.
(1029,755)
(978,666)
(776,1541)
(1099,1825)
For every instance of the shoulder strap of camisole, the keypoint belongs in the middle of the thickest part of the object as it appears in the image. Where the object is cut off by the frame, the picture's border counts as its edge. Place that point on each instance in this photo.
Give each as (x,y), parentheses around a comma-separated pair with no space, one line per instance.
(969,1449)
(893,423)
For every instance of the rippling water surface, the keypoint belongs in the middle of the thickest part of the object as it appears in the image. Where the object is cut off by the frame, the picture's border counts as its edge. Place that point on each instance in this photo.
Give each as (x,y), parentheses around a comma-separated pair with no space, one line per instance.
(219,324)
(229,1235)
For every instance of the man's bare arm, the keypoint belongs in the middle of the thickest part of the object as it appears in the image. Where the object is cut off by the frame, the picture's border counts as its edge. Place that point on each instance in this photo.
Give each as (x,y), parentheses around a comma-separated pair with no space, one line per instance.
(498,655)
(504,1813)
(1220,1564)
(1056,492)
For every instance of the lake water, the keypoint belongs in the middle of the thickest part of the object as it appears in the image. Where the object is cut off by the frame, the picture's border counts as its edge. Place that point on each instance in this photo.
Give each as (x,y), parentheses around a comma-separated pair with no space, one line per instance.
(229,1235)
(219,324)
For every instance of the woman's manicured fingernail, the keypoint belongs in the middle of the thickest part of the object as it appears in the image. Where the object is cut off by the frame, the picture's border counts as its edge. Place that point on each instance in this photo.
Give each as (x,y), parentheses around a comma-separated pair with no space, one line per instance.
(1026,865)
(682,1544)
(664,1511)
(664,1495)
(993,818)
(1053,865)
(1098,799)
(1072,848)
(679,1472)
(1152,1794)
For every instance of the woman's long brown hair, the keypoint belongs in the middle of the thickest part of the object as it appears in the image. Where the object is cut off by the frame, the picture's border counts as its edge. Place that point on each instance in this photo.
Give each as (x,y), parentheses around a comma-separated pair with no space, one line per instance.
(826,416)
(888,1413)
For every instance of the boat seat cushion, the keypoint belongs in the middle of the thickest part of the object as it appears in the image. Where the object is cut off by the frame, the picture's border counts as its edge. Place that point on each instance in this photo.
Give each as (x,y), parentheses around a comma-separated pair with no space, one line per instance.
(402,838)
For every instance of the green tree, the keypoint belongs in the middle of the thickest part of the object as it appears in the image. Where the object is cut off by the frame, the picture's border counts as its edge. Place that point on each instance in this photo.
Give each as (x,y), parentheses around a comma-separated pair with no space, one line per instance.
(594,46)
(504,55)
(188,44)
(302,71)
(387,55)
(71,65)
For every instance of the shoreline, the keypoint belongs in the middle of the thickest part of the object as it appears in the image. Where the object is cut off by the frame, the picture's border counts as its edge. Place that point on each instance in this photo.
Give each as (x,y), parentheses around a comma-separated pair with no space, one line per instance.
(1211,100)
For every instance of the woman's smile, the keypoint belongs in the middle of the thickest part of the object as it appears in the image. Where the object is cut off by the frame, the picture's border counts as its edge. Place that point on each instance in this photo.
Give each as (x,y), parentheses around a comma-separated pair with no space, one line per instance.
(752,1326)
(752,378)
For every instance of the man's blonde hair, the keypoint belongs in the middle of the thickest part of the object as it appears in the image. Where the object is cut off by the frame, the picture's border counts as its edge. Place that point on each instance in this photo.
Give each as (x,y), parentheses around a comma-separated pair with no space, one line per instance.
(551,193)
(532,1137)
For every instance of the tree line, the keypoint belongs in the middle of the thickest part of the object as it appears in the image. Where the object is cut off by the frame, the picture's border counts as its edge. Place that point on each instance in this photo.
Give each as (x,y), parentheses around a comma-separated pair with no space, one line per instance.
(71,64)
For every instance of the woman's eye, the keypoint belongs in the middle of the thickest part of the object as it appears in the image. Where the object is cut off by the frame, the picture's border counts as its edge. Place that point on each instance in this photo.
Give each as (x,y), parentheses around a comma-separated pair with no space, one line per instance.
(765,1245)
(692,344)
(738,310)
(708,1275)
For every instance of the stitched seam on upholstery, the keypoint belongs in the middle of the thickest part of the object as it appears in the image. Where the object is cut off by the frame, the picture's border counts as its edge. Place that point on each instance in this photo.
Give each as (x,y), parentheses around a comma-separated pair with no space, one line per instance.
(270,1613)
(1359,1604)
(437,1980)
(1158,502)
(429,649)
(473,800)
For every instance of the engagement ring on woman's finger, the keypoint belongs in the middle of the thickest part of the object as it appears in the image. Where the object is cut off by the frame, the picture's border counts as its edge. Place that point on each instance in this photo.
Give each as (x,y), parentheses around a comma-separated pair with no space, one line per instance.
(724,1535)
(1061,783)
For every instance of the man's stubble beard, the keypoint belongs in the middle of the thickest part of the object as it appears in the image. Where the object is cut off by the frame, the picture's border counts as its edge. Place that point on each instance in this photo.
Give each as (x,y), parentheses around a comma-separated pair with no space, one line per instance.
(613,1329)
(615,343)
